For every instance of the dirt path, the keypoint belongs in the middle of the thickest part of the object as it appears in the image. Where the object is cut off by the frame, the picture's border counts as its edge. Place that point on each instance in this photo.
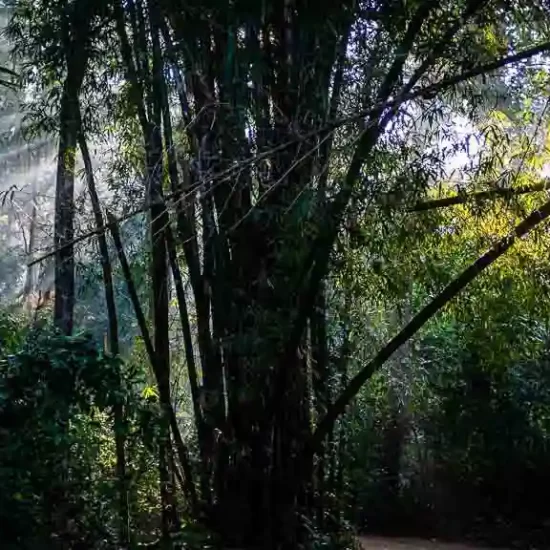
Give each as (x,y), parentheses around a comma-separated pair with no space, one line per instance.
(379,543)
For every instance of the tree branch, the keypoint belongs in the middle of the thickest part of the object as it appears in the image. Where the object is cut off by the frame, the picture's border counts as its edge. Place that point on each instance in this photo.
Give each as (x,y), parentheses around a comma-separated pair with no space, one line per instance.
(424,92)
(501,192)
(422,317)
(319,257)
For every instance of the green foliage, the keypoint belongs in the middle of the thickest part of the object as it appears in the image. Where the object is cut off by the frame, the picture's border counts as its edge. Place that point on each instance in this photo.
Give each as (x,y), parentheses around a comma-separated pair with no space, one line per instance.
(48,392)
(464,455)
(56,447)
(452,438)
(13,333)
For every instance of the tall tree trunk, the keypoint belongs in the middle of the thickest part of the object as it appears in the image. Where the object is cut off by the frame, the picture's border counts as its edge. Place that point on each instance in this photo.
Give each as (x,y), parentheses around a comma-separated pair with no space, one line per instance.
(190,359)
(181,450)
(159,268)
(146,95)
(113,347)
(75,37)
(320,384)
(64,214)
(30,279)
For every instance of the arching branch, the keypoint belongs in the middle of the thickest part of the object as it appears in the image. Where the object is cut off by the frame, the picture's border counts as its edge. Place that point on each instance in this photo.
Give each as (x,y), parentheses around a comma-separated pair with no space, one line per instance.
(462,198)
(421,318)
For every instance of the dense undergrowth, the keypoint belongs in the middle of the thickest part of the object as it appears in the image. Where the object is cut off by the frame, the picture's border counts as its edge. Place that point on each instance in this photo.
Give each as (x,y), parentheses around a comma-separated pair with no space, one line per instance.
(461,451)
(57,453)
(459,454)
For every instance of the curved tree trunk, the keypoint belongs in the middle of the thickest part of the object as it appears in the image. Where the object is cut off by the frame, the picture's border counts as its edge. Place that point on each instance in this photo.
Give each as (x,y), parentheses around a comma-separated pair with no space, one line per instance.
(113,346)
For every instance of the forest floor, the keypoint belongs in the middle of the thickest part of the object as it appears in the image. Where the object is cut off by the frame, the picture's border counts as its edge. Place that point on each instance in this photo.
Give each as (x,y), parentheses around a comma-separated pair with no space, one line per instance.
(380,543)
